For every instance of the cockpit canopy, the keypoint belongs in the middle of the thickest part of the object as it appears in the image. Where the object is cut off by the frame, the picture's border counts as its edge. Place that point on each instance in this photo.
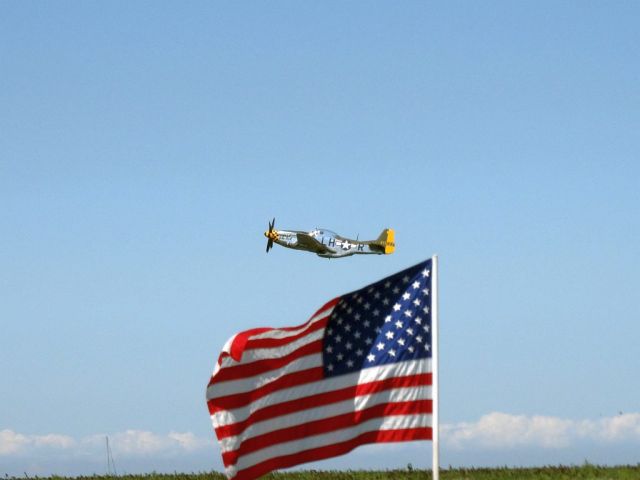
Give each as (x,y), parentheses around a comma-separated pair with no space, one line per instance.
(321,232)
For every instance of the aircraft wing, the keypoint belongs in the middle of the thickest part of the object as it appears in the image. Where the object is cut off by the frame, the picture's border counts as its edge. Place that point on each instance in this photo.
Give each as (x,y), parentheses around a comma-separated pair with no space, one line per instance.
(310,243)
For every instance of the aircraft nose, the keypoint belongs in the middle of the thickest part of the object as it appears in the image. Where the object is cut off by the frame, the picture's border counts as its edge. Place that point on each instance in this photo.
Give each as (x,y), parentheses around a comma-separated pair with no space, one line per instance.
(266,234)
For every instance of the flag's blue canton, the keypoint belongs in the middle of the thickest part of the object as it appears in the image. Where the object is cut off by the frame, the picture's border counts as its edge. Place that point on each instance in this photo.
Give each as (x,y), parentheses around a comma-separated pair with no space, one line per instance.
(385,322)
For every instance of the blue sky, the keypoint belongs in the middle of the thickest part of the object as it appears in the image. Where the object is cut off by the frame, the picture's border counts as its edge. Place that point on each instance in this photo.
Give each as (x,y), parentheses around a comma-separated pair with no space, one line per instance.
(144,147)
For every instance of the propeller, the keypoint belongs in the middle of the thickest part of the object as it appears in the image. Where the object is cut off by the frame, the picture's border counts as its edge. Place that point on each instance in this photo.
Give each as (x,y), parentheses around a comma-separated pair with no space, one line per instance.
(269,234)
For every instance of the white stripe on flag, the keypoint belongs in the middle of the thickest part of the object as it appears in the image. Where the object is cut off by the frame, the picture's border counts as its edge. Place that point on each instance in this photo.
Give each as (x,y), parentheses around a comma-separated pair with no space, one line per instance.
(356,404)
(244,385)
(280,333)
(315,441)
(257,354)
(367,375)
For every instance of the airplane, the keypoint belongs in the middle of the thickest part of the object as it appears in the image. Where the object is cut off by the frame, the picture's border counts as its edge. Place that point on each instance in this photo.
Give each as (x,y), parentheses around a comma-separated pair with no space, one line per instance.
(328,244)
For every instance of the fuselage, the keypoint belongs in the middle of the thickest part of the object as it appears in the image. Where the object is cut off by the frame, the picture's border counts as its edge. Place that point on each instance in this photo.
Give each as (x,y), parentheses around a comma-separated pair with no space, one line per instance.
(328,244)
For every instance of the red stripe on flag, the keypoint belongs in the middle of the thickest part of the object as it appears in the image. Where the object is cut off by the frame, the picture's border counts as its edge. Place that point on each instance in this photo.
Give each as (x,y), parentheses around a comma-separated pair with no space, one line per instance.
(321,399)
(293,379)
(261,366)
(240,341)
(278,342)
(321,453)
(325,425)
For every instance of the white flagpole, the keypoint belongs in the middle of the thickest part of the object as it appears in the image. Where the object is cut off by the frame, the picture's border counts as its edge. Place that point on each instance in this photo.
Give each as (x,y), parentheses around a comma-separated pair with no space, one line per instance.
(434,363)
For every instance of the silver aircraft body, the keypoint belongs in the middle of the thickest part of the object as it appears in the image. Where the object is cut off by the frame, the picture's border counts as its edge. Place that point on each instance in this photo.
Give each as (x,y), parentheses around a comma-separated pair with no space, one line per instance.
(328,244)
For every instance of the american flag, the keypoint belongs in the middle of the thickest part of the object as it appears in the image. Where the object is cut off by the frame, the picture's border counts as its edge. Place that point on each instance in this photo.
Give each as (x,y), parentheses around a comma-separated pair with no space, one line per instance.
(357,372)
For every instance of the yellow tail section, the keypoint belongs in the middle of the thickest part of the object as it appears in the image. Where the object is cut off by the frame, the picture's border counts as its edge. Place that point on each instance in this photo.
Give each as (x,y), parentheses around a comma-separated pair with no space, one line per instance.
(387,239)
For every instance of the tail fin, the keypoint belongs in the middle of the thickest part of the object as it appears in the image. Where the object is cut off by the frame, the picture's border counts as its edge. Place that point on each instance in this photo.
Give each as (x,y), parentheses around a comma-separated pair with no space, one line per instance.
(387,239)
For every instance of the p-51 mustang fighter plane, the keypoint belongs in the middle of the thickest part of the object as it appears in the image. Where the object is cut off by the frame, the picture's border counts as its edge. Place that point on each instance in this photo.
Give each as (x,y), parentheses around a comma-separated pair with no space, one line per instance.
(328,244)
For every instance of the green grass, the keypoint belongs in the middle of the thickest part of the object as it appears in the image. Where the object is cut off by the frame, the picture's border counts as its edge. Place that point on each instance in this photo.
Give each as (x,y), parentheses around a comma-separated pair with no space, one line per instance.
(585,472)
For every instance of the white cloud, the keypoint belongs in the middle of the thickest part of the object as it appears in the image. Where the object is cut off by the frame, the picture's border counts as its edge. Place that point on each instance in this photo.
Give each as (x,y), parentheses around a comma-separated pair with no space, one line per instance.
(495,438)
(501,430)
(144,443)
(53,441)
(189,442)
(11,442)
(621,427)
(16,443)
(130,443)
